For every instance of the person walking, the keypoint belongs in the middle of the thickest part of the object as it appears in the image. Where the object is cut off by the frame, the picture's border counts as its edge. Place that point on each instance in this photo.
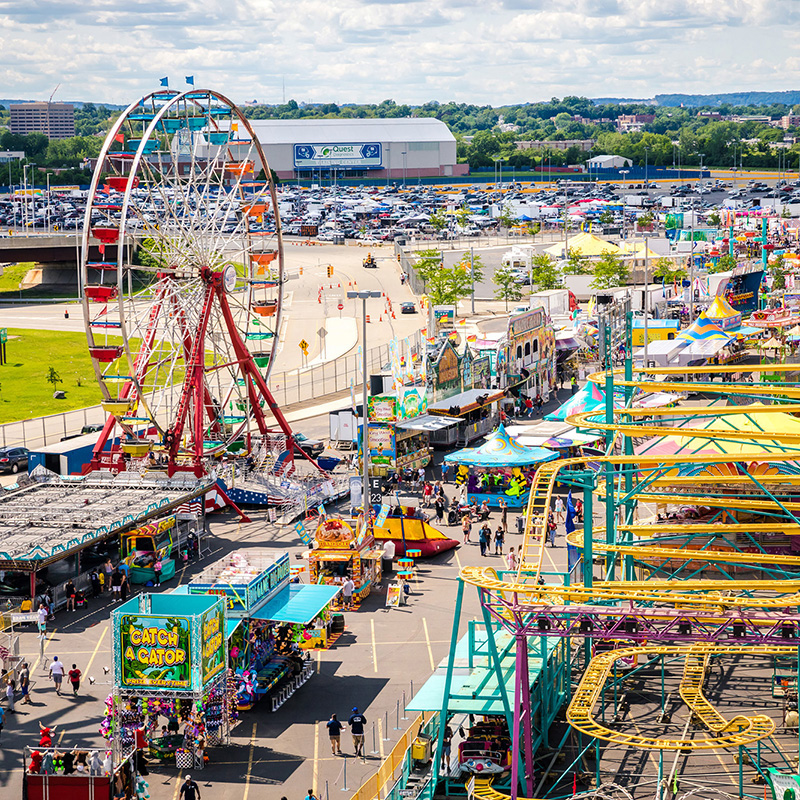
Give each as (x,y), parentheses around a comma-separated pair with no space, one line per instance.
(356,723)
(25,683)
(41,619)
(499,539)
(94,579)
(189,789)
(348,587)
(558,508)
(10,687)
(57,673)
(335,733)
(438,507)
(157,567)
(485,538)
(74,676)
(466,526)
(108,568)
(124,588)
(573,384)
(69,593)
(309,795)
(115,580)
(551,530)
(511,559)
(2,718)
(447,741)
(504,515)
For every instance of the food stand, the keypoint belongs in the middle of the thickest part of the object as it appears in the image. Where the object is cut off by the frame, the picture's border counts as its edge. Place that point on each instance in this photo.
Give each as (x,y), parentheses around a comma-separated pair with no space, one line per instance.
(339,554)
(500,469)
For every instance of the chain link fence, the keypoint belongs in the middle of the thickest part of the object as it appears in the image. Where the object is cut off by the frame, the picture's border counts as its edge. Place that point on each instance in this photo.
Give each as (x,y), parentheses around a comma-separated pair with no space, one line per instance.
(289,388)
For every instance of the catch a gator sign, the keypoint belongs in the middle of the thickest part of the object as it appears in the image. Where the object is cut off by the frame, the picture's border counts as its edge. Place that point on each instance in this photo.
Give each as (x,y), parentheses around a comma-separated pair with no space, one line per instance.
(169,643)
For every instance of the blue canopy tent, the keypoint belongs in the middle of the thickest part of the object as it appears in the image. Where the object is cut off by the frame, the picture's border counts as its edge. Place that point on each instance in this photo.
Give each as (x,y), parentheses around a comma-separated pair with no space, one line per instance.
(507,457)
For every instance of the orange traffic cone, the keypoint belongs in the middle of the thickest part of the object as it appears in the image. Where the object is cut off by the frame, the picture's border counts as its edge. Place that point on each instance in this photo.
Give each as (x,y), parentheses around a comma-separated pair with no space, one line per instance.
(368,318)
(381,318)
(393,316)
(339,286)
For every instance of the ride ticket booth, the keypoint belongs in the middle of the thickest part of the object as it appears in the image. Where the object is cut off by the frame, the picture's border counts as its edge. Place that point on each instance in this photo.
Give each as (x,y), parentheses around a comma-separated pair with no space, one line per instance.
(339,553)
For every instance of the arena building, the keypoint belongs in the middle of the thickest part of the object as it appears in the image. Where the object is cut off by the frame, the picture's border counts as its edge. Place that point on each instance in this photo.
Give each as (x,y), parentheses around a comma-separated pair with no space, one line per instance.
(392,149)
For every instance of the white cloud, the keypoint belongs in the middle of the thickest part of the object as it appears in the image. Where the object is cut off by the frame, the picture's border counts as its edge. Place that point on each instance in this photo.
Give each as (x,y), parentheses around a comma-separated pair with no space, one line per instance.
(481,51)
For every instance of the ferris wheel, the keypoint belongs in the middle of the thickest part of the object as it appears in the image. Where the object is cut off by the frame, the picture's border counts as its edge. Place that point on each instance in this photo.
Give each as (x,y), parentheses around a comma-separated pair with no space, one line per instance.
(183,323)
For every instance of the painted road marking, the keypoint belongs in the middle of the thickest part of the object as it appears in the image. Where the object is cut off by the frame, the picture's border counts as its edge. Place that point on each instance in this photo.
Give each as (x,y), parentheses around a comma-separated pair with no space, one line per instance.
(374,646)
(428,642)
(315,765)
(96,648)
(250,762)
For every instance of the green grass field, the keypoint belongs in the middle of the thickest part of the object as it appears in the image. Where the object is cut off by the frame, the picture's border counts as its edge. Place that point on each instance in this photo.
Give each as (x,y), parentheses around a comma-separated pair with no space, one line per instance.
(24,390)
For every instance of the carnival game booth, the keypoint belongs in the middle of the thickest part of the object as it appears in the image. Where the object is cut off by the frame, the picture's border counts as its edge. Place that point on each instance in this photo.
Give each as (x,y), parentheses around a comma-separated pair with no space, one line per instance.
(269,621)
(165,540)
(170,659)
(500,469)
(339,553)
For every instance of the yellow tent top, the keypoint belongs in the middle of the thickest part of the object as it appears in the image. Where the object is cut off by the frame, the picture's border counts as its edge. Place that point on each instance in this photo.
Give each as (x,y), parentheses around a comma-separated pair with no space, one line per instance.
(639,250)
(589,245)
(721,309)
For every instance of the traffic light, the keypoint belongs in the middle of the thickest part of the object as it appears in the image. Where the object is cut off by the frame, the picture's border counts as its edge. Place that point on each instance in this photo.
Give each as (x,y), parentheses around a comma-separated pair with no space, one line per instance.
(330,270)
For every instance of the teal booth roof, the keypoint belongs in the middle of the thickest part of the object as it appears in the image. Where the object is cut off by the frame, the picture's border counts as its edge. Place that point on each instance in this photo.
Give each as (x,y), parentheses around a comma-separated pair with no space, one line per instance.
(500,450)
(297,603)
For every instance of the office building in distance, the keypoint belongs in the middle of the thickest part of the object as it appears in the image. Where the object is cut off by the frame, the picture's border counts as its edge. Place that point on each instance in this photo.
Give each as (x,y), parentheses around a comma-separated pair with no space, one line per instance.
(54,120)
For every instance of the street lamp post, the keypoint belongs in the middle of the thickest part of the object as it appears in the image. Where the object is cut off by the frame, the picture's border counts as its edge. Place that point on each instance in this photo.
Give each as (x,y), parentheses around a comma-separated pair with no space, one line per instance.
(25,208)
(48,201)
(646,181)
(702,156)
(364,296)
(624,173)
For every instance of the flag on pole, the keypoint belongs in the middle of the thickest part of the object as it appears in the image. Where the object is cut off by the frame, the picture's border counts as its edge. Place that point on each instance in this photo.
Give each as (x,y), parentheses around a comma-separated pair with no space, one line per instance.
(119,137)
(569,525)
(164,81)
(190,80)
(590,309)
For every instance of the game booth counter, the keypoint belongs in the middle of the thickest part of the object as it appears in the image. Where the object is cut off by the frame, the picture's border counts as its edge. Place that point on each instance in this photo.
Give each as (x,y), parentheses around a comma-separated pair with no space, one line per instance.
(270,620)
(78,773)
(172,697)
(499,469)
(339,553)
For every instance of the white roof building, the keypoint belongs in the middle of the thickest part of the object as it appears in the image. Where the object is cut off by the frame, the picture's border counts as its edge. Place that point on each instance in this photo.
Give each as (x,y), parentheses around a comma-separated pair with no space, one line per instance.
(407,148)
(608,162)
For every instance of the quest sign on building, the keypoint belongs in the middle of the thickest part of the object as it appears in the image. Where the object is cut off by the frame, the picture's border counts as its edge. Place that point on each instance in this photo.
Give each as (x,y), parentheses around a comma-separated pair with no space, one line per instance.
(316,156)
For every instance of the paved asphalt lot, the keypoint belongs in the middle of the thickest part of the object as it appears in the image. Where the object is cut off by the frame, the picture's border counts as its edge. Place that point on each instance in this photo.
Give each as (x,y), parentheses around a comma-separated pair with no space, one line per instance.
(381,652)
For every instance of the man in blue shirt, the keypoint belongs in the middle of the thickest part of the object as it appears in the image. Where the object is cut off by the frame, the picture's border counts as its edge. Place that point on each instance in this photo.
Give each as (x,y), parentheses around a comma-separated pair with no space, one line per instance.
(356,723)
(335,732)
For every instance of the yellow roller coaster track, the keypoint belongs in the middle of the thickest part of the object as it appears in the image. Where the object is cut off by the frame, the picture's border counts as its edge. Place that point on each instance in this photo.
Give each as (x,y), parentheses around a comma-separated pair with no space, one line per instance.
(710,553)
(740,730)
(706,596)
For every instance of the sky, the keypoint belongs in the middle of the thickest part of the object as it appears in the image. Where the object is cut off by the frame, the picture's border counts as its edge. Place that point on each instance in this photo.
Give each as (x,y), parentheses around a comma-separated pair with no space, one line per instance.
(362,51)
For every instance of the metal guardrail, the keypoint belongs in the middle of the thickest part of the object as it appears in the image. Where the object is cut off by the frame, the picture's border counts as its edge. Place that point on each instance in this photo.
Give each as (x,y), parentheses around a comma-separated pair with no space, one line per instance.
(289,388)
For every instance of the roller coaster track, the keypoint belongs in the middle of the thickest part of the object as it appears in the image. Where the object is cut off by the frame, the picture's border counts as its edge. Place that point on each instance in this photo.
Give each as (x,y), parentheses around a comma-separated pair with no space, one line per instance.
(756,614)
(738,731)
(710,553)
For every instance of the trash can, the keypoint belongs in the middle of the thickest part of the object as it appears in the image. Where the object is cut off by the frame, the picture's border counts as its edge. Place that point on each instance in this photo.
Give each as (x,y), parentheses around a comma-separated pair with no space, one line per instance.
(421,748)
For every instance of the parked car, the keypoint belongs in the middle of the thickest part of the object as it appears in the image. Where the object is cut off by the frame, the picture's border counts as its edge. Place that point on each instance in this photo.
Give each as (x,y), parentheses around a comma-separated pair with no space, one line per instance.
(311,447)
(13,459)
